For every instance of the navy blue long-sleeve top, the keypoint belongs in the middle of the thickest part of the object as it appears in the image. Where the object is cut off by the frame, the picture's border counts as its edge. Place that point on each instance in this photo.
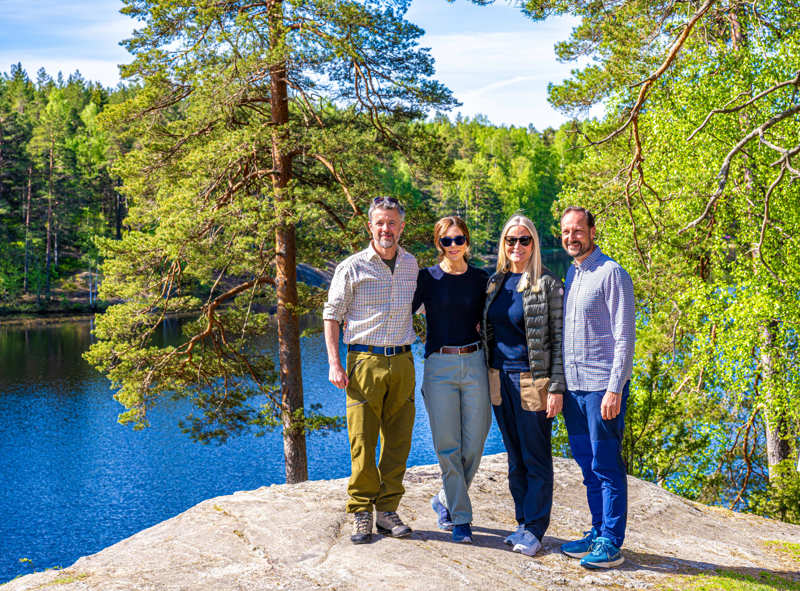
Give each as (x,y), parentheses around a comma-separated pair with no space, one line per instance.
(453,306)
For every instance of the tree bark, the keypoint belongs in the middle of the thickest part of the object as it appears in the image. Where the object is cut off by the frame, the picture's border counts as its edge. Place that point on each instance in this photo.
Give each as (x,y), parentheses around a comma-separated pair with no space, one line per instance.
(778,445)
(48,240)
(294,438)
(27,231)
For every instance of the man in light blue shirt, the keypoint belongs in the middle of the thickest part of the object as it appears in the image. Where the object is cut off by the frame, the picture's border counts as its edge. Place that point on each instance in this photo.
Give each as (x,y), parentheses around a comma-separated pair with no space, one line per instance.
(599,335)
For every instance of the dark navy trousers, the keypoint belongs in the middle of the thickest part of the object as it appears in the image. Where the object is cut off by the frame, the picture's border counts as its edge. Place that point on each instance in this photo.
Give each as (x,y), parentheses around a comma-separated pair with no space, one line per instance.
(597,447)
(526,435)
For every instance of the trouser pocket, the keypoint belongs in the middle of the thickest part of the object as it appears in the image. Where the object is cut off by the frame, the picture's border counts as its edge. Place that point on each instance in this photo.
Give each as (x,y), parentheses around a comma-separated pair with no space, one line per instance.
(533,393)
(494,387)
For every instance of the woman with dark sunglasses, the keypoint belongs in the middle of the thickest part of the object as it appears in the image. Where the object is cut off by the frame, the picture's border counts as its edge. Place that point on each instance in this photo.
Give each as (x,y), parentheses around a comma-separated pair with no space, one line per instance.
(455,386)
(522,328)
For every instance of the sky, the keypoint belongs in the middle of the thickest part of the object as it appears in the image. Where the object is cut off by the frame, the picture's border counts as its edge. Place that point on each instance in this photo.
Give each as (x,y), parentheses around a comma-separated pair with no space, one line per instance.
(497,62)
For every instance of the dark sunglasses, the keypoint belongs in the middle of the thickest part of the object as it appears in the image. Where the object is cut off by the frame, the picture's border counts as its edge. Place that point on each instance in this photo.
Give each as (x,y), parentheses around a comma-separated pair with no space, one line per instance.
(446,241)
(523,240)
(378,200)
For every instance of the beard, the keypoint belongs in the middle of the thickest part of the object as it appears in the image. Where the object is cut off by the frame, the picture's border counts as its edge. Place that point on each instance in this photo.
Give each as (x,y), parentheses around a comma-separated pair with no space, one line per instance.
(577,249)
(386,241)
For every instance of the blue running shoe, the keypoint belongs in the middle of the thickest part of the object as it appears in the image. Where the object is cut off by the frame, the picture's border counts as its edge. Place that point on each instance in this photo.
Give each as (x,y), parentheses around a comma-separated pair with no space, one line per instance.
(462,533)
(443,515)
(604,554)
(580,548)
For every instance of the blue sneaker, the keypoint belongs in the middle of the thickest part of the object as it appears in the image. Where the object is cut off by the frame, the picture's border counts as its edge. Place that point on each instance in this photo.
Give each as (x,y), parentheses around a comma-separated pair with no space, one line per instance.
(580,548)
(462,533)
(443,515)
(604,554)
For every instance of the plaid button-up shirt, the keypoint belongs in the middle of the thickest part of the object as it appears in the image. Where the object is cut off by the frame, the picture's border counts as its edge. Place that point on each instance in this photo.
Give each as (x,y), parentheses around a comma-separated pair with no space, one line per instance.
(599,324)
(374,302)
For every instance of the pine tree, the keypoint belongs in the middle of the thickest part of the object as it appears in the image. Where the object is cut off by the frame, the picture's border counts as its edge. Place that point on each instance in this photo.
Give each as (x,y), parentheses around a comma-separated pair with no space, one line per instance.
(260,130)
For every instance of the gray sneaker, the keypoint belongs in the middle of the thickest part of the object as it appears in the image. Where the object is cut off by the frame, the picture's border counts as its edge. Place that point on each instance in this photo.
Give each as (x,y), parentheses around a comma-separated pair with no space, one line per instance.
(362,527)
(514,537)
(528,544)
(390,524)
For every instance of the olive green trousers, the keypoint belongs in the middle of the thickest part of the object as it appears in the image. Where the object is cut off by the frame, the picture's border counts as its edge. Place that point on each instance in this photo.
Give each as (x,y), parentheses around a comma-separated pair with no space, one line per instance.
(380,401)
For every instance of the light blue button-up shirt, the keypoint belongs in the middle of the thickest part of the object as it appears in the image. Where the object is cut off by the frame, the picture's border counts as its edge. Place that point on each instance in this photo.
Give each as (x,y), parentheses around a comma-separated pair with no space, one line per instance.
(599,324)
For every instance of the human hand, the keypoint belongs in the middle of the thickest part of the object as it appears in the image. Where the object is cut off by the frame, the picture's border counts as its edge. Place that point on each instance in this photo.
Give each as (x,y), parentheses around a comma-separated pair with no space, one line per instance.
(554,404)
(611,405)
(337,376)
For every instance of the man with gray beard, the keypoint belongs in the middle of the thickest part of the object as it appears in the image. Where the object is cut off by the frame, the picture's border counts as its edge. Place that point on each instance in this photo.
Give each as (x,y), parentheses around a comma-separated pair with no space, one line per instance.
(371,293)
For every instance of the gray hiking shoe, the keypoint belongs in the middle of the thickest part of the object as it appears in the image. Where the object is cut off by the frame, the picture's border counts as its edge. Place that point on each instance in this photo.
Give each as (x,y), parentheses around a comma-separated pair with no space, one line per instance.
(362,527)
(390,524)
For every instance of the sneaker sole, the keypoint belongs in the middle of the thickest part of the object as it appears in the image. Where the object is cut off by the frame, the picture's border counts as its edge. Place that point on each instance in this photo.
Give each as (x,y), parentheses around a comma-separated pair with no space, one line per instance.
(599,565)
(388,532)
(524,550)
(574,554)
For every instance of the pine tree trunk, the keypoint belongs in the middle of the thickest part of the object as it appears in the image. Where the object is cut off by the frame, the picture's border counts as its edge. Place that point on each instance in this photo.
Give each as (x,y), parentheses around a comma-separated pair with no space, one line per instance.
(48,240)
(778,446)
(27,231)
(294,438)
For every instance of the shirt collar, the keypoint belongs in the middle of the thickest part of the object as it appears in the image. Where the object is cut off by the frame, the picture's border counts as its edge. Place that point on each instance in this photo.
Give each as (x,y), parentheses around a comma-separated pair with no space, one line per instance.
(590,261)
(372,253)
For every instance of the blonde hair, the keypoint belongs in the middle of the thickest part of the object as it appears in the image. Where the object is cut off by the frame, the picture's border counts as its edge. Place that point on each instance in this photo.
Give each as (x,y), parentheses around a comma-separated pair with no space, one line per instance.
(533,271)
(442,226)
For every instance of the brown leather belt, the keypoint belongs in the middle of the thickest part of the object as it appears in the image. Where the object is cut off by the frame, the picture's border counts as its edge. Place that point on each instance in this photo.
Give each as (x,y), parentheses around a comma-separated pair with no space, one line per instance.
(460,350)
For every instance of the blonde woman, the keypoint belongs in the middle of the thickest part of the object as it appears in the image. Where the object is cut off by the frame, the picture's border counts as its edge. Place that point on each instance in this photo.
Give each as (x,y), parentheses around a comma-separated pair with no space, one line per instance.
(522,327)
(455,385)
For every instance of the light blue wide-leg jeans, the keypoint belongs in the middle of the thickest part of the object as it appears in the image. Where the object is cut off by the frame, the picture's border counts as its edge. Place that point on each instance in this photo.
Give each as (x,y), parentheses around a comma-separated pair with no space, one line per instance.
(456,393)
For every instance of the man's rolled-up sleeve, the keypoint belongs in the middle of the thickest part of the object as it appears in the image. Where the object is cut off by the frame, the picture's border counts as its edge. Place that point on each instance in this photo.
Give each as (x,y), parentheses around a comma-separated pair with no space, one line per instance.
(340,296)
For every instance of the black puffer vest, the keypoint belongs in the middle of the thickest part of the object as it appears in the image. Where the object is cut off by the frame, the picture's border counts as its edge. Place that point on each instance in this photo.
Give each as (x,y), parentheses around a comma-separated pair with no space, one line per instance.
(543,310)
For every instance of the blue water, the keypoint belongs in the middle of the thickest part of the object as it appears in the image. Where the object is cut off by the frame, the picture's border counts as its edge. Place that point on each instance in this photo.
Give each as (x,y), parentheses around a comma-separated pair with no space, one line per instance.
(75,481)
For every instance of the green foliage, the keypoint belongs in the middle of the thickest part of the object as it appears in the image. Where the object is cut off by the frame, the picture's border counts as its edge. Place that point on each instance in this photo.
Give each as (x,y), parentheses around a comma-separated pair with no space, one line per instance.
(721,580)
(224,186)
(710,241)
(779,498)
(497,171)
(55,192)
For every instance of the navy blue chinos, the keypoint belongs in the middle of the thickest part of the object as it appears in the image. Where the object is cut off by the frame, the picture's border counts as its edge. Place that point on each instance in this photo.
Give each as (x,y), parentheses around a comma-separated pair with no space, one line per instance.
(596,445)
(527,438)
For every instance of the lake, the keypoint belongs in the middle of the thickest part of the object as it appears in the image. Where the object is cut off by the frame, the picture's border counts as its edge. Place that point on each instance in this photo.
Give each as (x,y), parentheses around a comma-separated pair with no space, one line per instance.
(75,481)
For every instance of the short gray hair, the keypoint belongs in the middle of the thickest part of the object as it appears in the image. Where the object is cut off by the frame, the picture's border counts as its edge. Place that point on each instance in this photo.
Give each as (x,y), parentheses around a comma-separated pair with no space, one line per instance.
(386,202)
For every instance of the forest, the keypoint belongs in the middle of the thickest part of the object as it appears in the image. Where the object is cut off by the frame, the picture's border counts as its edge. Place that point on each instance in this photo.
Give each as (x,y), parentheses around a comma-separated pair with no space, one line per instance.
(249,138)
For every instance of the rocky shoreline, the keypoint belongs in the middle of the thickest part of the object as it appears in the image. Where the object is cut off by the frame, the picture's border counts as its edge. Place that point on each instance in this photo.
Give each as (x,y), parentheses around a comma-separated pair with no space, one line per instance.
(297,537)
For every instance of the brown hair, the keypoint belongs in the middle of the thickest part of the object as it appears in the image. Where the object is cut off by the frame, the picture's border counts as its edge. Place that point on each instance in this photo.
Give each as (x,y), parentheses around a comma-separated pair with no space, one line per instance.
(442,226)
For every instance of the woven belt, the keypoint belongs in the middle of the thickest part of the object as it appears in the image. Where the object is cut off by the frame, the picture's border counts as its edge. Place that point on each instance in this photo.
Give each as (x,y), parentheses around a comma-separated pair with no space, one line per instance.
(460,350)
(388,351)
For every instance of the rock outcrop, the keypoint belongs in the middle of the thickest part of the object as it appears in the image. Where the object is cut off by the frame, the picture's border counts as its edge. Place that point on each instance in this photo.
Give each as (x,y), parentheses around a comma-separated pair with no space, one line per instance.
(296,537)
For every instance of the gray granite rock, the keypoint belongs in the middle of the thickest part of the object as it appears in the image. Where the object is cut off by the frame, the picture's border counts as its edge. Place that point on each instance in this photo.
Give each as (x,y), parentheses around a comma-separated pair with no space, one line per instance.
(296,537)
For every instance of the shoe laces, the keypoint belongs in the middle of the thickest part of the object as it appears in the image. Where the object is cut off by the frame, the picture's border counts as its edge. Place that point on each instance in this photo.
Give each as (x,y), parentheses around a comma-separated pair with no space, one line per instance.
(599,544)
(393,517)
(363,522)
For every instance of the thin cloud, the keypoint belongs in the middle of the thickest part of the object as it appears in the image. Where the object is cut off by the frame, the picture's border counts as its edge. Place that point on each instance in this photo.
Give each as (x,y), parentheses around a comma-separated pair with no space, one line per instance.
(497,85)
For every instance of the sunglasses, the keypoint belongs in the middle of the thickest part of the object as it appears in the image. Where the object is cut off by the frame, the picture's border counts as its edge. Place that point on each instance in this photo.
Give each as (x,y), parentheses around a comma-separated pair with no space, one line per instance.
(446,241)
(523,240)
(378,200)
